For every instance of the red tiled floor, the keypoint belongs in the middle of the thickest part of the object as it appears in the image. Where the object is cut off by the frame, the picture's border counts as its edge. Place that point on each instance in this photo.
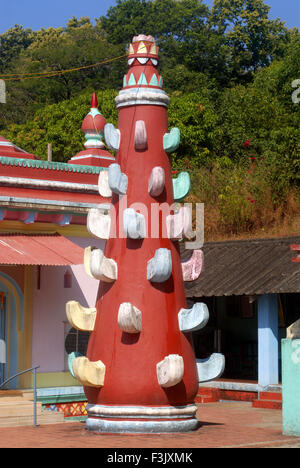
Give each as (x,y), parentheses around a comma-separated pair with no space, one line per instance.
(224,424)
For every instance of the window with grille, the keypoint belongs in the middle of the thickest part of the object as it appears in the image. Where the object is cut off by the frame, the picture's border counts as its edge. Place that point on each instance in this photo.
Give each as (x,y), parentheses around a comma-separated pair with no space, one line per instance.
(75,341)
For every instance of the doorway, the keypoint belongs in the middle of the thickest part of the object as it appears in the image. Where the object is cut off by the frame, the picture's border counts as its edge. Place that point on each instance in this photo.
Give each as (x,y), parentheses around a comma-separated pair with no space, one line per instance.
(11,326)
(232,331)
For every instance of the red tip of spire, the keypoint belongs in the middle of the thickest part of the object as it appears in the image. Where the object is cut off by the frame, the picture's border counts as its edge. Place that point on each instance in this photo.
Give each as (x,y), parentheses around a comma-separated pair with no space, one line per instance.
(94,103)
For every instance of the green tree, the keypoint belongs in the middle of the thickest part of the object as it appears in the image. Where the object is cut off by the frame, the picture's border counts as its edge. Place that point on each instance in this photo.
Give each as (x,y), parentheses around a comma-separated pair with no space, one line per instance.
(12,42)
(181,30)
(196,117)
(253,40)
(69,48)
(60,124)
(78,45)
(125,20)
(277,79)
(255,127)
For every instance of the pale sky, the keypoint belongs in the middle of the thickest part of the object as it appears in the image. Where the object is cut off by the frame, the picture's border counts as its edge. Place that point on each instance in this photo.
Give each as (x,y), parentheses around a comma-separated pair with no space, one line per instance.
(36,14)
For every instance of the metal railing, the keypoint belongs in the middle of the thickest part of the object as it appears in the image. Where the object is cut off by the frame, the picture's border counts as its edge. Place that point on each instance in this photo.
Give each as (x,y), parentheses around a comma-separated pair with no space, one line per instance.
(32,369)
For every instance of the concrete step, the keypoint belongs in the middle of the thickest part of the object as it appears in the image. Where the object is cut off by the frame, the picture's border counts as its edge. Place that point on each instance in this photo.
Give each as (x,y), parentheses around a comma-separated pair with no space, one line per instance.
(205,399)
(277,396)
(12,399)
(207,395)
(208,391)
(28,395)
(270,400)
(268,404)
(237,395)
(227,394)
(45,417)
(6,393)
(18,408)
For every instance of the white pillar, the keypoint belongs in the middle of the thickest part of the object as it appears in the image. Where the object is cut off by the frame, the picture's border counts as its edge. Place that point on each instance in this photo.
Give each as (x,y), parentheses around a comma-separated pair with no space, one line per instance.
(267,340)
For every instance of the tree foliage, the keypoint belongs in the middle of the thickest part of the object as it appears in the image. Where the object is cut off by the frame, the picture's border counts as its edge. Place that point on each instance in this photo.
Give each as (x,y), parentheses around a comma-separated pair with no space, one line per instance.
(228,70)
(58,49)
(252,39)
(60,125)
(12,42)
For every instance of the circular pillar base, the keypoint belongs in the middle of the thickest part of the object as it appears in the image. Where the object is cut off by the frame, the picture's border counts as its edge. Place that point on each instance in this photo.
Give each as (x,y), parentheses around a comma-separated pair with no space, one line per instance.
(141,420)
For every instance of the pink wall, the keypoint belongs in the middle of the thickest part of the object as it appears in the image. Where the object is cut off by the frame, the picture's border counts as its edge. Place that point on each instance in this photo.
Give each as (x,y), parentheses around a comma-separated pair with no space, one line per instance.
(49,309)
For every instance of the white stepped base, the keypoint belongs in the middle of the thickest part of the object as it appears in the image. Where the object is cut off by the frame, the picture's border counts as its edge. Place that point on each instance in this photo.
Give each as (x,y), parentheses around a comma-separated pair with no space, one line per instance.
(142,420)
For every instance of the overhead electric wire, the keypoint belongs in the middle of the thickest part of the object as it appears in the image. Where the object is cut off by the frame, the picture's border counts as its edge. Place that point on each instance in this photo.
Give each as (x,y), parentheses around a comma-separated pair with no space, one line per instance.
(50,74)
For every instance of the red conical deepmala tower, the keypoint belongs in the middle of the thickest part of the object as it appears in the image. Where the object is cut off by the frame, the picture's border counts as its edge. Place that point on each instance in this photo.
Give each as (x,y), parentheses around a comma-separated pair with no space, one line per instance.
(140,373)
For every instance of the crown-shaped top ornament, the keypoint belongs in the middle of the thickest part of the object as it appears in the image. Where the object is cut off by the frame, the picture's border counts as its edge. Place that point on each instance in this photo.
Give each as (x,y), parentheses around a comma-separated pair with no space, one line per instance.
(143,47)
(143,83)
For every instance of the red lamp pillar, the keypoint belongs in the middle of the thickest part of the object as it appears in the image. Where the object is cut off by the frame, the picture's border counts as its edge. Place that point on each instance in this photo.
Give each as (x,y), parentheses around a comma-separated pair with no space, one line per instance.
(140,373)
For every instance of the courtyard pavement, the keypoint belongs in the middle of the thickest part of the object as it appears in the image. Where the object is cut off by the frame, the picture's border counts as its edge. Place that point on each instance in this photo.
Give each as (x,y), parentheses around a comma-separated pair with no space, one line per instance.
(222,425)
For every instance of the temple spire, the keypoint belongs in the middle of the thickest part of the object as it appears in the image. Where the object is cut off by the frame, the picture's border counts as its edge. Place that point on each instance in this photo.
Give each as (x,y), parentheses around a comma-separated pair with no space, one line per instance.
(95,153)
(94,102)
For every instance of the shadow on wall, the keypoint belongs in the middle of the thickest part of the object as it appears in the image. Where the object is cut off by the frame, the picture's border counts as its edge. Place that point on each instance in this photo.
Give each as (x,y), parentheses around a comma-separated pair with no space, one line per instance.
(58,285)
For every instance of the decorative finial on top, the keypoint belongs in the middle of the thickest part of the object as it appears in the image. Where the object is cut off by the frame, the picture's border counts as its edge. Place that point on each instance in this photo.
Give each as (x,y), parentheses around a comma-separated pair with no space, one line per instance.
(142,37)
(93,129)
(142,84)
(143,47)
(94,122)
(94,103)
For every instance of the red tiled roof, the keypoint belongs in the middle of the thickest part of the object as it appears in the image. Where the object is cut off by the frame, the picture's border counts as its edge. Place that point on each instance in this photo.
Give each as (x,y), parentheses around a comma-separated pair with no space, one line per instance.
(36,249)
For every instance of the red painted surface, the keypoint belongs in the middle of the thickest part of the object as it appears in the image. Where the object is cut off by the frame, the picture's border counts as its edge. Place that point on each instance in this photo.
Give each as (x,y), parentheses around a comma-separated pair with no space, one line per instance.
(37,194)
(48,174)
(209,391)
(94,102)
(91,156)
(34,249)
(207,395)
(7,149)
(268,404)
(270,396)
(137,70)
(93,124)
(270,400)
(296,248)
(201,399)
(237,395)
(131,360)
(15,215)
